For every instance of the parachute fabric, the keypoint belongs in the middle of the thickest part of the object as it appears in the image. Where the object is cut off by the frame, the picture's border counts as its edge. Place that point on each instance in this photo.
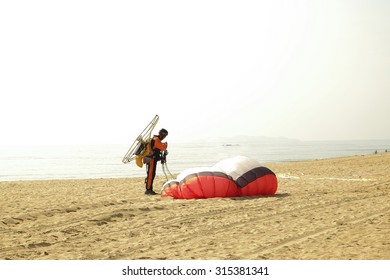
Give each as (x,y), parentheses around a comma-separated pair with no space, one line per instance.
(238,176)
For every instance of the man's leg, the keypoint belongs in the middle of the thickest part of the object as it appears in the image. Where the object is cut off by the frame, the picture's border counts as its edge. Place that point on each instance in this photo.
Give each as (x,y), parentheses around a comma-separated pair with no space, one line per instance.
(151,173)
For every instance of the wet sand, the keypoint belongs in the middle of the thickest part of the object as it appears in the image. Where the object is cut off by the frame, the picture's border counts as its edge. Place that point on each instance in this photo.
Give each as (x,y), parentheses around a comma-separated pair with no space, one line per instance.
(323,209)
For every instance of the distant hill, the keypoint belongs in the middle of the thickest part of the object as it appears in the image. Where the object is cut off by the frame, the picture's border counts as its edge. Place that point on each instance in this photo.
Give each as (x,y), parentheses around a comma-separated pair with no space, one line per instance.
(242,139)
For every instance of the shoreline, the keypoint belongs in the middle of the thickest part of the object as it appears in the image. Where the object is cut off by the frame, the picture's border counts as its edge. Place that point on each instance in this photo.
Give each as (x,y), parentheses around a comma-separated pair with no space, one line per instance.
(334,208)
(176,173)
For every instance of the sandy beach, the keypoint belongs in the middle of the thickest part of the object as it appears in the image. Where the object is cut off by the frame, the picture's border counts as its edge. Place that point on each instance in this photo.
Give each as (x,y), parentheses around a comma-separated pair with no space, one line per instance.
(323,209)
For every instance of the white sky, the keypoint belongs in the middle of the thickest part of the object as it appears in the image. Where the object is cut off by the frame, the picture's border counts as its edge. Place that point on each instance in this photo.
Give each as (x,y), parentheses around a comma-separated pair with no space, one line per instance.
(98,71)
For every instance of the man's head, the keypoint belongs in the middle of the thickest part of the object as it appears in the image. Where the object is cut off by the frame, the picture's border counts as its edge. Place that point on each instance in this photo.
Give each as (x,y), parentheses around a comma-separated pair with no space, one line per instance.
(162,133)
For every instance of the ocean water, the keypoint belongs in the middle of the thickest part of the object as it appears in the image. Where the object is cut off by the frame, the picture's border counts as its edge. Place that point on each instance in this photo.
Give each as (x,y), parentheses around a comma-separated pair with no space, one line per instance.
(105,161)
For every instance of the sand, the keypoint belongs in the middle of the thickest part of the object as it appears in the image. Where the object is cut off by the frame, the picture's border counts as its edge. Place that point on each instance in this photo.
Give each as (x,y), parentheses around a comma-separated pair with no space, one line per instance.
(324,209)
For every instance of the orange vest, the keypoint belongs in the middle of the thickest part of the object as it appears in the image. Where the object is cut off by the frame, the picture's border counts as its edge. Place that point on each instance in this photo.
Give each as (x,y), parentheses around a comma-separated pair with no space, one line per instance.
(157,146)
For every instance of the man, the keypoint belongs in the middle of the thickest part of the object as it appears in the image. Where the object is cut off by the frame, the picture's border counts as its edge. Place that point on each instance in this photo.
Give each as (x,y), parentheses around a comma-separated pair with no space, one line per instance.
(157,147)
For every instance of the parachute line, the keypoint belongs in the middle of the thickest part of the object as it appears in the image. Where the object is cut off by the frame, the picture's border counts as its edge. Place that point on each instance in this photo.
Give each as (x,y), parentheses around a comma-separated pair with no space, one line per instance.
(166,170)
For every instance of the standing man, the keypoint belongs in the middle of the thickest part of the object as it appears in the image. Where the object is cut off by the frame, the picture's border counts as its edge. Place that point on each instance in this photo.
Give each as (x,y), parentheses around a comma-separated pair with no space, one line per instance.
(157,147)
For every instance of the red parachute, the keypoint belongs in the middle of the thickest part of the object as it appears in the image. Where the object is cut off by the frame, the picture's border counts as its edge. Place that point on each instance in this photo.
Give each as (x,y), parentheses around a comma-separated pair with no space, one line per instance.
(238,176)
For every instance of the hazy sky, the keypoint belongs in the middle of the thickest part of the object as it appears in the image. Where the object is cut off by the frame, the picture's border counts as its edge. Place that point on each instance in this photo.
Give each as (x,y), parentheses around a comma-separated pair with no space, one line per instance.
(98,71)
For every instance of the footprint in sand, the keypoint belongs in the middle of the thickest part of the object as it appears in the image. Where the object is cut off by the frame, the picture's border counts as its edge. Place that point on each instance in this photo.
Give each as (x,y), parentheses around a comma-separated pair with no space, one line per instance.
(38,245)
(106,219)
(11,221)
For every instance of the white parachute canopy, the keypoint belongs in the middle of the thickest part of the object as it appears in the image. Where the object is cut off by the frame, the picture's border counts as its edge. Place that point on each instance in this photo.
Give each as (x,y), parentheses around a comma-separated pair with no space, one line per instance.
(236,166)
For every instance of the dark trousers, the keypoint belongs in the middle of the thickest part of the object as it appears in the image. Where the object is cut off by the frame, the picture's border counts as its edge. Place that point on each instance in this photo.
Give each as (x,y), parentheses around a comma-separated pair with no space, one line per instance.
(150,173)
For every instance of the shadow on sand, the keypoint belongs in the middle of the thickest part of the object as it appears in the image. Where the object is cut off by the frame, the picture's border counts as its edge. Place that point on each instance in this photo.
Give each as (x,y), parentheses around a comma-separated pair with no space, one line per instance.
(278,195)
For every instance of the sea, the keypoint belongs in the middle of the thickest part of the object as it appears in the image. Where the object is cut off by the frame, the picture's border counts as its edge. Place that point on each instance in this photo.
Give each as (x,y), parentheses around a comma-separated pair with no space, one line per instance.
(105,161)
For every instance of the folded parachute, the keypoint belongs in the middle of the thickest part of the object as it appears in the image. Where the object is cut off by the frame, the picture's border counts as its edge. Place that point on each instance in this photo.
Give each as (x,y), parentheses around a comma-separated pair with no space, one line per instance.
(238,176)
